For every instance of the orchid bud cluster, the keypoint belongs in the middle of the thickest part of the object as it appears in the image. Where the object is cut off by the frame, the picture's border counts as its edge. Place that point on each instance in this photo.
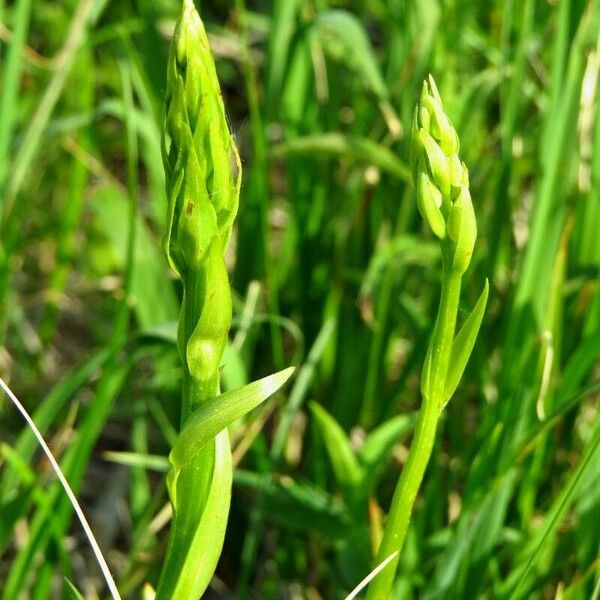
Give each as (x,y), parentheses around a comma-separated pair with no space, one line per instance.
(441,178)
(199,152)
(203,185)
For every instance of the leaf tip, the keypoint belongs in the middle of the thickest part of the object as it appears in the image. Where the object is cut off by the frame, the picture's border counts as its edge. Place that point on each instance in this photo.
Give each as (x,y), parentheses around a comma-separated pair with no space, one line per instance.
(270,385)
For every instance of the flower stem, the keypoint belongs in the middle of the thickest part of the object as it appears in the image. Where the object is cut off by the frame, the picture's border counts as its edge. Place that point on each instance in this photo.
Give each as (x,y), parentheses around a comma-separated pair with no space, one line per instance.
(404,499)
(443,334)
(422,444)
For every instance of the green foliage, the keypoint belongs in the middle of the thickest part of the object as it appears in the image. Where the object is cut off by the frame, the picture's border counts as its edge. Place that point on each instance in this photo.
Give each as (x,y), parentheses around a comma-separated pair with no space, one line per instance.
(72,591)
(329,267)
(217,413)
(345,465)
(462,345)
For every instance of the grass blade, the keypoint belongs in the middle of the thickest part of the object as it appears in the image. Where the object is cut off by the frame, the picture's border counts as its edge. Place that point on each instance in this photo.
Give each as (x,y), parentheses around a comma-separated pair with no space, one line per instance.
(68,491)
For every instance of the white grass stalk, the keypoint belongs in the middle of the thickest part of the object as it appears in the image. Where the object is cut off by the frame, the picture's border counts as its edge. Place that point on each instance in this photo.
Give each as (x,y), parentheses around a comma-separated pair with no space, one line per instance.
(72,498)
(365,582)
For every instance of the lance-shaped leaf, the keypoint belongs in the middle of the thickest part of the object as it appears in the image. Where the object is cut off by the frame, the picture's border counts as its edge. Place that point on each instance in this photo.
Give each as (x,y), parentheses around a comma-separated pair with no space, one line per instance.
(199,491)
(377,448)
(72,592)
(351,147)
(199,486)
(463,345)
(345,466)
(298,505)
(344,38)
(217,413)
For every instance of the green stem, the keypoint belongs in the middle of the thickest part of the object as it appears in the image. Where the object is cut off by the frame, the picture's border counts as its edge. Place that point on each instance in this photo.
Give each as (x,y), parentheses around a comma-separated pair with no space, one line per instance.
(194,298)
(422,445)
(193,393)
(443,334)
(404,499)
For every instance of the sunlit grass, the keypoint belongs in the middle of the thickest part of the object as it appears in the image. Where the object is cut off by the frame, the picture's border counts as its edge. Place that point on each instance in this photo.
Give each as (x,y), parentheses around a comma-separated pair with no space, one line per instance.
(331,269)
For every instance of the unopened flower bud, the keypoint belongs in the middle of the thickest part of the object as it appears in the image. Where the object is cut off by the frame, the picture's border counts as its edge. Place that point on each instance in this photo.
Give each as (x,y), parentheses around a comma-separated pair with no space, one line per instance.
(202,183)
(462,230)
(457,172)
(424,117)
(429,201)
(441,127)
(441,178)
(437,162)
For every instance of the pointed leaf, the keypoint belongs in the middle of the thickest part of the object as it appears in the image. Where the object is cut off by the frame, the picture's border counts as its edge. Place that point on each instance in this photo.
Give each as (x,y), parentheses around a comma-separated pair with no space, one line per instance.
(219,412)
(463,344)
(345,466)
(149,462)
(298,505)
(534,550)
(200,493)
(72,592)
(350,147)
(378,445)
(148,592)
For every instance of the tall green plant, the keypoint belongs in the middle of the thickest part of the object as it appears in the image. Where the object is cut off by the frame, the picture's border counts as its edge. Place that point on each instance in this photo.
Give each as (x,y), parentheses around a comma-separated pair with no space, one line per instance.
(203,173)
(444,201)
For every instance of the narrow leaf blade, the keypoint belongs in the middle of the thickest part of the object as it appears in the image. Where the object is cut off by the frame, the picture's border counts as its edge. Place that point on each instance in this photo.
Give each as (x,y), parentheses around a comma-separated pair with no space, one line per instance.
(350,147)
(345,466)
(200,494)
(373,456)
(72,592)
(463,344)
(219,412)
(298,505)
(344,38)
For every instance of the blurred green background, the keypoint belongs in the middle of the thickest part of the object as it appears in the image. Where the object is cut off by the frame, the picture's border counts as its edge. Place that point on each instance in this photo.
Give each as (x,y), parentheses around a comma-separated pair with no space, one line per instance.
(333,271)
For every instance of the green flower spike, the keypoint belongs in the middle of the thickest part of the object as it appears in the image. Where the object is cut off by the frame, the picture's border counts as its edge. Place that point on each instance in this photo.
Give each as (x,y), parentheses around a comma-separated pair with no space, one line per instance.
(444,201)
(203,173)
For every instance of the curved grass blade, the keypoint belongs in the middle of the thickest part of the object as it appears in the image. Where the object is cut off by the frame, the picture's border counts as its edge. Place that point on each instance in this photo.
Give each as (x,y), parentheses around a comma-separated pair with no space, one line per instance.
(68,491)
(518,578)
(344,38)
(345,466)
(351,146)
(72,591)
